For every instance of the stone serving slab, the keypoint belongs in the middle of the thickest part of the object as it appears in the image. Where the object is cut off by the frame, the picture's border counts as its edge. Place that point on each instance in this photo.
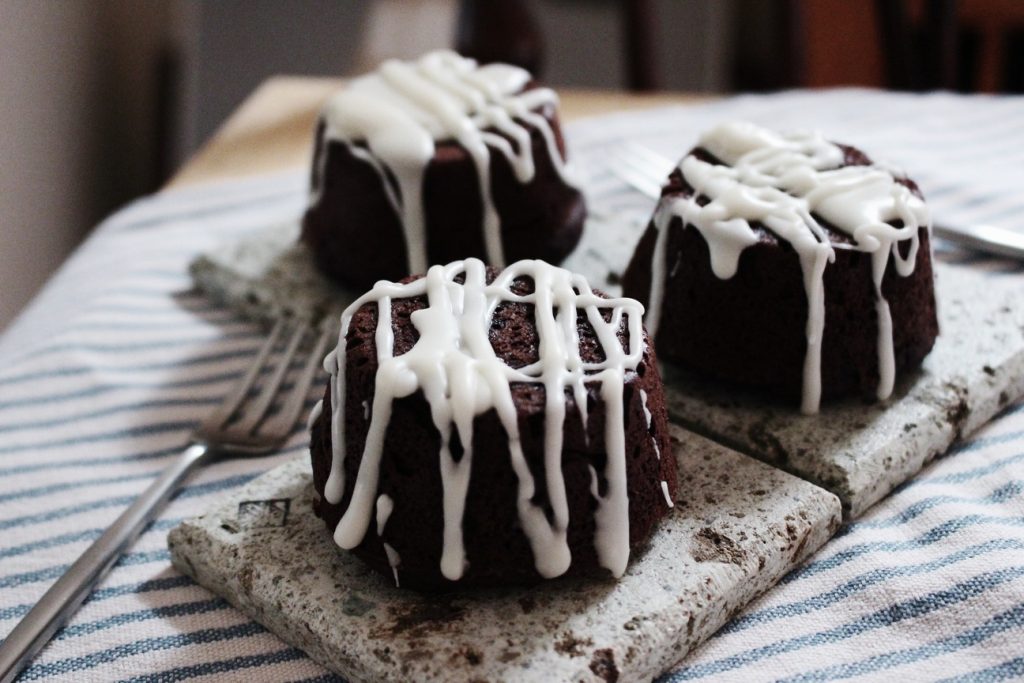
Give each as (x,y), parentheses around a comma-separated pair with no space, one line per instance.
(269,274)
(738,527)
(858,451)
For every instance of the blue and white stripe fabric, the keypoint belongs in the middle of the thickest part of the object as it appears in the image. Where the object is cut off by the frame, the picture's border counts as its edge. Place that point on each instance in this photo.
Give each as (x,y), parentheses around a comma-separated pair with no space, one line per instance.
(103,376)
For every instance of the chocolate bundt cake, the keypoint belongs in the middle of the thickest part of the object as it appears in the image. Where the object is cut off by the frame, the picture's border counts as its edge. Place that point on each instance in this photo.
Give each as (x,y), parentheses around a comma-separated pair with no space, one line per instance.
(436,160)
(486,427)
(788,263)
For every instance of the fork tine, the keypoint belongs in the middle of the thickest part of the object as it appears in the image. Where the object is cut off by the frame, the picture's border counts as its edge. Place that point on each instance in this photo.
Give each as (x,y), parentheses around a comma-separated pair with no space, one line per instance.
(639,179)
(657,161)
(254,413)
(641,165)
(282,423)
(230,404)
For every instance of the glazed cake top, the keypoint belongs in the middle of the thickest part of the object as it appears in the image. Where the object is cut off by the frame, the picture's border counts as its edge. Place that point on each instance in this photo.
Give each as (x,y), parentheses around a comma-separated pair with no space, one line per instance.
(394,117)
(790,183)
(431,95)
(455,366)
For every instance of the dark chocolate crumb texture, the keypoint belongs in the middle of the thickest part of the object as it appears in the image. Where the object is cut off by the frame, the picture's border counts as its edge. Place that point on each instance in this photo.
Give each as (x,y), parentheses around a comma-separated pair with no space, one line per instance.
(486,427)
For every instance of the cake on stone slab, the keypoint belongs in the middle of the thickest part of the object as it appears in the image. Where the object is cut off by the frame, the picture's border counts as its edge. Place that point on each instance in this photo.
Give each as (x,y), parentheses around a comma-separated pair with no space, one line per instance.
(790,264)
(486,427)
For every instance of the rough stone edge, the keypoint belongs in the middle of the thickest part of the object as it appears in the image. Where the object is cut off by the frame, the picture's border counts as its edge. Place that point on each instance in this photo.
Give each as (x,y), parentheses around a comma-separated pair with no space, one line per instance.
(807,536)
(808,540)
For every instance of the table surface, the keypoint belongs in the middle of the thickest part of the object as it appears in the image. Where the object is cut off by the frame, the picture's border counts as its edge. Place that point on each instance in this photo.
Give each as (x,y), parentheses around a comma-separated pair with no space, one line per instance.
(104,376)
(273,128)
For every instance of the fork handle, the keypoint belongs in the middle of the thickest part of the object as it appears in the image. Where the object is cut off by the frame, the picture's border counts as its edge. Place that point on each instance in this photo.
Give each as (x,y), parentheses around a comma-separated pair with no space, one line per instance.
(67,594)
(987,238)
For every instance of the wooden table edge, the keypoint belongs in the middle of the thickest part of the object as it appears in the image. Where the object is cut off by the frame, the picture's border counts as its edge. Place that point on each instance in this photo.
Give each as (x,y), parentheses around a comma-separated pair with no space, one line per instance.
(272,130)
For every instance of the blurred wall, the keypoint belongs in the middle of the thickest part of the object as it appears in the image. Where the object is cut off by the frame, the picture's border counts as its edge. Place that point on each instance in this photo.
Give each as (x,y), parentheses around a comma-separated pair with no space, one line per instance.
(235,44)
(228,47)
(49,131)
(101,99)
(77,115)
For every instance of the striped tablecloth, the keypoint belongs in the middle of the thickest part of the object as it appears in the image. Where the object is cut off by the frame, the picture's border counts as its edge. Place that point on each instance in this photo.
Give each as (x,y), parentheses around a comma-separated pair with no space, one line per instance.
(105,373)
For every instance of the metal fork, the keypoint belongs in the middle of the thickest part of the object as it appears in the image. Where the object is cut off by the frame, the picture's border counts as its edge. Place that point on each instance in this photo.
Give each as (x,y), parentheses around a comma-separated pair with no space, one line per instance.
(646,171)
(254,431)
(641,168)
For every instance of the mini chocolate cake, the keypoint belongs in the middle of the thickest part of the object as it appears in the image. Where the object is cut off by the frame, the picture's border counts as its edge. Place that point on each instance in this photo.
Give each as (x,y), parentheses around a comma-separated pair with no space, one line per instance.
(436,160)
(789,264)
(514,429)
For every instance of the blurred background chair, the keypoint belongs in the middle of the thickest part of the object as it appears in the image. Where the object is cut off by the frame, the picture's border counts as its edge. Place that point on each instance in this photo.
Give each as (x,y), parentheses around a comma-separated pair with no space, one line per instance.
(966,45)
(961,45)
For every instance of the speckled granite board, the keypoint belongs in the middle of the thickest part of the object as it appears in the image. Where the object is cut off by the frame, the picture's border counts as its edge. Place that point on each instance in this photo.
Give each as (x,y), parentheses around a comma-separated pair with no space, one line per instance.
(267,275)
(739,526)
(860,452)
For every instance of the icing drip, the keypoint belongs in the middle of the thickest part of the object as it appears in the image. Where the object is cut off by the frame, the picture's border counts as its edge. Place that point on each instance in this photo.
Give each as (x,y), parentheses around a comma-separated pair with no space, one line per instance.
(648,416)
(654,442)
(455,367)
(385,506)
(664,492)
(783,181)
(314,414)
(393,118)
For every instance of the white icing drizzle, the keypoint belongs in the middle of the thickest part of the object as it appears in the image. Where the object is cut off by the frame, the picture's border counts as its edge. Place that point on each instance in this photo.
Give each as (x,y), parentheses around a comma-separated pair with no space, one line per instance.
(783,181)
(393,118)
(455,367)
(314,414)
(654,442)
(647,412)
(385,506)
(648,416)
